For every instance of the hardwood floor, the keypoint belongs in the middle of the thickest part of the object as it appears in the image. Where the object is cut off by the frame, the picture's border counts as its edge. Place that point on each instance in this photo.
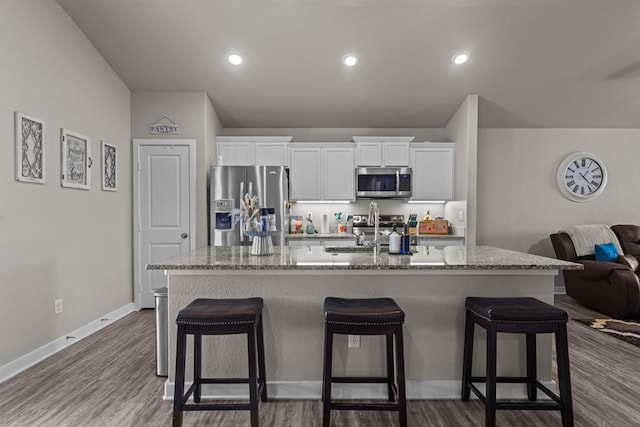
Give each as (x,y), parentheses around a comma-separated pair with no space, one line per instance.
(108,379)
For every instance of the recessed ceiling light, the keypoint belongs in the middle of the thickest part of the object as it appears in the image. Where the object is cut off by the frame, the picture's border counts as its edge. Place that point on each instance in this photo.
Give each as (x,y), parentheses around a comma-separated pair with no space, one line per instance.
(235,59)
(350,60)
(460,58)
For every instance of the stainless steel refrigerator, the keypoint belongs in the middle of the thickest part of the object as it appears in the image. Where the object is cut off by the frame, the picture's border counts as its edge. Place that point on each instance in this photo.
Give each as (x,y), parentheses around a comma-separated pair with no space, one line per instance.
(229,184)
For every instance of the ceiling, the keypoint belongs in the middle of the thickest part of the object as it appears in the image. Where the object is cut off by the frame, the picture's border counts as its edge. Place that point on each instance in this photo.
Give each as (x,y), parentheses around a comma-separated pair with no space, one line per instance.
(534,63)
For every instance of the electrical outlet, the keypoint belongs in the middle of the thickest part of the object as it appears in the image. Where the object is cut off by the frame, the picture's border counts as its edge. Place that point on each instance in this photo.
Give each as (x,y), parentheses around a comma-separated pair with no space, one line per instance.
(460,215)
(354,341)
(58,306)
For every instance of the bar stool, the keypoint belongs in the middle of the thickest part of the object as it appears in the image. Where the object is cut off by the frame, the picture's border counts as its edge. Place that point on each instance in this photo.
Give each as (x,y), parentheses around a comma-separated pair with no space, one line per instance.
(517,316)
(373,316)
(219,317)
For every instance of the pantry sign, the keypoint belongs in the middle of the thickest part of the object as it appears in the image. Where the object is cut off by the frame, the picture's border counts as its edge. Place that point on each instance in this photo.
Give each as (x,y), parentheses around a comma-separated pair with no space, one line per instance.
(164,126)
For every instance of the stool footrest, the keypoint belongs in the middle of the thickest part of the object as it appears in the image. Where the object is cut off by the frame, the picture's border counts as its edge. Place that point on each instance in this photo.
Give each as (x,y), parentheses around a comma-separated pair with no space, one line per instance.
(216,407)
(521,404)
(360,380)
(345,406)
(516,380)
(224,381)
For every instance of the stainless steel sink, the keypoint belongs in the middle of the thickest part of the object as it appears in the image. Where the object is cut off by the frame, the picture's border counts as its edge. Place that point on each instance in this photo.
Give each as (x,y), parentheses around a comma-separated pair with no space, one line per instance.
(350,249)
(356,249)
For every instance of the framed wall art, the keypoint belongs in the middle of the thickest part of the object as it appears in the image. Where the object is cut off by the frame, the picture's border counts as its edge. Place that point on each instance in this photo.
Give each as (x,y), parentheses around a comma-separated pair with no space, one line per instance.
(30,133)
(75,160)
(109,166)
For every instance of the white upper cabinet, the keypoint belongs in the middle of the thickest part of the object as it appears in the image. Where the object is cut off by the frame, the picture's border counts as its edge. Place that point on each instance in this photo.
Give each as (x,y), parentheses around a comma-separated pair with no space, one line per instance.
(396,153)
(240,153)
(305,173)
(369,154)
(253,150)
(322,171)
(432,167)
(272,154)
(382,151)
(339,173)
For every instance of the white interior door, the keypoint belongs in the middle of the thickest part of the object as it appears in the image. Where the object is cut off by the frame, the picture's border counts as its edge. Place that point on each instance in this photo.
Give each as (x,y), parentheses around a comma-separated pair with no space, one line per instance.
(164,187)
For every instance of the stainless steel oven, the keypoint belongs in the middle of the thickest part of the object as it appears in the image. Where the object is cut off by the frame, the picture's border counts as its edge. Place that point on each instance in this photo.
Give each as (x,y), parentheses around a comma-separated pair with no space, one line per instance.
(383,183)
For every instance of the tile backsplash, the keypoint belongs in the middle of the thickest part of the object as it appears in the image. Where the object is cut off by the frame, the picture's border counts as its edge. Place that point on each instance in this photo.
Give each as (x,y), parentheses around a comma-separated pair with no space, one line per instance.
(451,211)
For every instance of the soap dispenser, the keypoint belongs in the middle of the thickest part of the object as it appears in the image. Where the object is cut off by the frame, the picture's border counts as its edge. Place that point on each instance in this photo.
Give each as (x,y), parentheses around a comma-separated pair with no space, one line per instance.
(310,229)
(394,242)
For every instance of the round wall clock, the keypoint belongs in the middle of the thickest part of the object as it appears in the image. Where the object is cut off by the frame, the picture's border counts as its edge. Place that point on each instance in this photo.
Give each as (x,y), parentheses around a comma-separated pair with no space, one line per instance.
(581,176)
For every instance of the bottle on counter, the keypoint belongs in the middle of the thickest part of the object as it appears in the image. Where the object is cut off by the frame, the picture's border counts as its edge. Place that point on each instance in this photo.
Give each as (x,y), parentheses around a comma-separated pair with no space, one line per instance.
(405,241)
(324,223)
(272,219)
(264,219)
(394,242)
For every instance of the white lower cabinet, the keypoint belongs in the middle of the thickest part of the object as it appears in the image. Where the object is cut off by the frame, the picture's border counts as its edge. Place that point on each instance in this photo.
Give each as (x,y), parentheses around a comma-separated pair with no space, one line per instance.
(432,167)
(427,241)
(322,172)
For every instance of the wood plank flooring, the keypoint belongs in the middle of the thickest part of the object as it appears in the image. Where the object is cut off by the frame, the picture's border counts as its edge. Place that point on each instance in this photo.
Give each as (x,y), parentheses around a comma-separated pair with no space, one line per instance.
(108,379)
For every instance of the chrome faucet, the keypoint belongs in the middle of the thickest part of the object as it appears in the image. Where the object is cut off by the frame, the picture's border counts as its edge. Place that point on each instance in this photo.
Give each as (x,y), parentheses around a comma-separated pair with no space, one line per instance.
(374,219)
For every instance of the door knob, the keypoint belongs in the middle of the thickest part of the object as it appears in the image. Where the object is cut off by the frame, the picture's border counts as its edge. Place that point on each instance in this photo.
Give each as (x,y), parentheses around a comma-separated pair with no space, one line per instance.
(184,235)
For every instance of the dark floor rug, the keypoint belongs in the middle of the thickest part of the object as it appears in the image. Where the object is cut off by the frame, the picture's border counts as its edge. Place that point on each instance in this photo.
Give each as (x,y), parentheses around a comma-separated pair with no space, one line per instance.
(626,330)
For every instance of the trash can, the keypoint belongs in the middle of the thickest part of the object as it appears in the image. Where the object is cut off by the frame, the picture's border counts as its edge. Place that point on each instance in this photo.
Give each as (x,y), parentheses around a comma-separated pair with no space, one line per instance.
(162,333)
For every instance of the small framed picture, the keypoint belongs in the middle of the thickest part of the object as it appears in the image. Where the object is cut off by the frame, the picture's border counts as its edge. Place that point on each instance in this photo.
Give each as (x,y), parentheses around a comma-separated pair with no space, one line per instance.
(75,160)
(30,133)
(109,166)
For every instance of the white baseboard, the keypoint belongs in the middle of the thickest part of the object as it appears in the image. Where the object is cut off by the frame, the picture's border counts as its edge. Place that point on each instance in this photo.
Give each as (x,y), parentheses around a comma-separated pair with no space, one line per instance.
(312,390)
(20,364)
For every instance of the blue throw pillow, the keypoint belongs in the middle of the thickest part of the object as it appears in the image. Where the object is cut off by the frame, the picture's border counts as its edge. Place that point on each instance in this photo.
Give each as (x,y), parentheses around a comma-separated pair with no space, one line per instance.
(606,252)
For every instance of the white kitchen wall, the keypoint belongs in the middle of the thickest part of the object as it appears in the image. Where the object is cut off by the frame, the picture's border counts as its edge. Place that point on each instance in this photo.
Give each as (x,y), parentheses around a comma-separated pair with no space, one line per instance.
(59,242)
(463,129)
(519,203)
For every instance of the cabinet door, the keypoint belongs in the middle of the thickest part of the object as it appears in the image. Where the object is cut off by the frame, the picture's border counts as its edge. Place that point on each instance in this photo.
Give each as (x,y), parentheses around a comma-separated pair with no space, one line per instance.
(305,174)
(369,154)
(339,174)
(432,173)
(271,154)
(235,153)
(396,153)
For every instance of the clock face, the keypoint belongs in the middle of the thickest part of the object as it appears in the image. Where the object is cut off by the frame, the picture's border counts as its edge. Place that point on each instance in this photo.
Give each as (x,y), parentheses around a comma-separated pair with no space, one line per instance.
(581,177)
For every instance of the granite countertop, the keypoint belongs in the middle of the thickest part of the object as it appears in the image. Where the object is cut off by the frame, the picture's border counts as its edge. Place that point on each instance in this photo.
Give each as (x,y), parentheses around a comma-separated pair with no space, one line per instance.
(351,236)
(327,258)
(320,236)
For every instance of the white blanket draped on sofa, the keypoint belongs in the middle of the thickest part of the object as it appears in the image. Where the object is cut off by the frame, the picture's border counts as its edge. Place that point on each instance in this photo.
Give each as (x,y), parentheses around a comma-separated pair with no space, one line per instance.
(585,237)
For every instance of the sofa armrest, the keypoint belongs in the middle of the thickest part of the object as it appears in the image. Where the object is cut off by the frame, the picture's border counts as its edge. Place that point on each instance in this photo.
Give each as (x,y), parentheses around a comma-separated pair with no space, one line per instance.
(598,270)
(616,293)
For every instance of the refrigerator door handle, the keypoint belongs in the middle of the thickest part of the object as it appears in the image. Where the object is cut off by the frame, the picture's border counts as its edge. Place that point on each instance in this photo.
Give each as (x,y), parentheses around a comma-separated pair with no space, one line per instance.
(241,221)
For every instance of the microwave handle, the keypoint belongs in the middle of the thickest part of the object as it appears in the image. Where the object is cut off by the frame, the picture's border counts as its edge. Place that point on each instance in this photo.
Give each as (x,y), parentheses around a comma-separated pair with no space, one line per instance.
(397,182)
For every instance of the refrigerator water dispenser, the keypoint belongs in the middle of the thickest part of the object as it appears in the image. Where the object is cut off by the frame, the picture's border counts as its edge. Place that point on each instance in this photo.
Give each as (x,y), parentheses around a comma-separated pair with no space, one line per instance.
(222,209)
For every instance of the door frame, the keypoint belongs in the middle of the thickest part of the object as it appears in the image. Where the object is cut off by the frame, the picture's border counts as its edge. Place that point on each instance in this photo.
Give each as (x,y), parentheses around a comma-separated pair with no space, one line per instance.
(137,143)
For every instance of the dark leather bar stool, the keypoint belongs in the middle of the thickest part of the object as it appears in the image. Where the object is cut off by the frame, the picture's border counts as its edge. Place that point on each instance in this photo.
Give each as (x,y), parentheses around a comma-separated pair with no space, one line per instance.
(373,316)
(517,316)
(219,317)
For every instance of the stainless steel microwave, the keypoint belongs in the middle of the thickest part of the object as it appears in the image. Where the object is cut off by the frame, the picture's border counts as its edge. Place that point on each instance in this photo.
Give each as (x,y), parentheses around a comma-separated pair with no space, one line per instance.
(383,183)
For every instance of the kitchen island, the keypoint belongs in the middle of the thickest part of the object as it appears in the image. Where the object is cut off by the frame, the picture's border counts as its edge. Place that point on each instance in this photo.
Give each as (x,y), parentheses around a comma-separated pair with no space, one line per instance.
(430,285)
